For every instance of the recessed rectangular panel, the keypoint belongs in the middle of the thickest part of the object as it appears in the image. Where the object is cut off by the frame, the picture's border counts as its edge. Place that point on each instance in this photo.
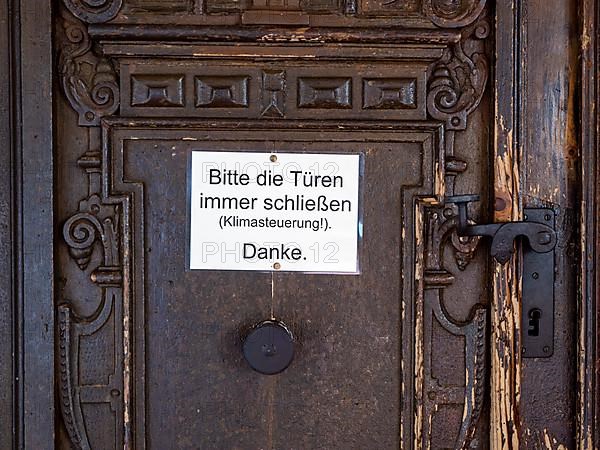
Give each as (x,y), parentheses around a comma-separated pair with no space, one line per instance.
(328,93)
(389,93)
(157,90)
(159,6)
(389,7)
(321,5)
(219,6)
(221,91)
(353,333)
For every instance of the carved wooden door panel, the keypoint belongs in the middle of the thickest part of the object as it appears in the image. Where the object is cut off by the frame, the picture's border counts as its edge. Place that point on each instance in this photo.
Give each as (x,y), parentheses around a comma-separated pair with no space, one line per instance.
(149,353)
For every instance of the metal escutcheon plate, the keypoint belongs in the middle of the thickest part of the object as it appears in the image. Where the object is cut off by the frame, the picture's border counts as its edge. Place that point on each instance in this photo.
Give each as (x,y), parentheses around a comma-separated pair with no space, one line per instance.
(269,347)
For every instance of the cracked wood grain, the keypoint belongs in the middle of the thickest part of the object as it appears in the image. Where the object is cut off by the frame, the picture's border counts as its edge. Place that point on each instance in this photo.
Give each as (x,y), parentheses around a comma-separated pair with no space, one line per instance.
(505,311)
(587,354)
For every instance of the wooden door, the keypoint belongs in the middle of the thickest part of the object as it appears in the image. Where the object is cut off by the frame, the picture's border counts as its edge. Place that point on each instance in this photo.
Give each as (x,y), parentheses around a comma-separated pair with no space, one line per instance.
(419,349)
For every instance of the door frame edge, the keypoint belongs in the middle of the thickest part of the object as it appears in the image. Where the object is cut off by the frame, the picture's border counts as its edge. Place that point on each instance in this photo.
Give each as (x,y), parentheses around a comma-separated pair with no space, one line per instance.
(31,210)
(588,399)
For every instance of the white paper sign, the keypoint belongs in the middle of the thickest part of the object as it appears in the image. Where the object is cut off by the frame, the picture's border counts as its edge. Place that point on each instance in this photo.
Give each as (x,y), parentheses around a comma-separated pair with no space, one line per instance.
(274,211)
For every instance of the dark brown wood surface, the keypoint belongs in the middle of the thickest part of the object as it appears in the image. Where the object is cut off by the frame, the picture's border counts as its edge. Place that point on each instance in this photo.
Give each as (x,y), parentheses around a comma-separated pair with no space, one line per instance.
(343,384)
(7,285)
(550,164)
(147,347)
(536,164)
(589,313)
(419,351)
(560,186)
(27,229)
(36,226)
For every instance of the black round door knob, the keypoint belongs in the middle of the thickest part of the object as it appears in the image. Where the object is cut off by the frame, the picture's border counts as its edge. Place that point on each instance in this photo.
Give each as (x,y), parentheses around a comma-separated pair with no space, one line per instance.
(269,347)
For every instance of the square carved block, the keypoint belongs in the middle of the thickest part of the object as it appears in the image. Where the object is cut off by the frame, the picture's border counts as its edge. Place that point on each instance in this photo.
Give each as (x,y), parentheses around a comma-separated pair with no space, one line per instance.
(276,4)
(324,92)
(218,6)
(222,92)
(390,7)
(159,6)
(157,90)
(389,93)
(321,5)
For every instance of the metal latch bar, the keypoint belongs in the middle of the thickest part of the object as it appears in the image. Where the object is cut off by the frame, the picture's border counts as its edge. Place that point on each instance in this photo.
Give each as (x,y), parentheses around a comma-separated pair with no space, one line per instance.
(538,228)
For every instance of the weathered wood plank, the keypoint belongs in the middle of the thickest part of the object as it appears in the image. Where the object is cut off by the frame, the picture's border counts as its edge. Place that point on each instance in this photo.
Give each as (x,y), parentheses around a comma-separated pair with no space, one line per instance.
(6,232)
(536,160)
(505,312)
(550,179)
(588,402)
(36,227)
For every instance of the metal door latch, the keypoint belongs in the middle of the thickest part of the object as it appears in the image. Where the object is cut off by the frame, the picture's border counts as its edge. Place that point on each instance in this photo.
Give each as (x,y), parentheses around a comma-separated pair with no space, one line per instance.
(541,237)
(537,318)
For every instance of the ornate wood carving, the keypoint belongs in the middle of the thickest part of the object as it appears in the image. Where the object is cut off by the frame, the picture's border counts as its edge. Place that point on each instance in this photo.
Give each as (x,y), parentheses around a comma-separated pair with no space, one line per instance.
(222,92)
(390,93)
(96,224)
(159,6)
(157,91)
(70,406)
(442,13)
(216,6)
(453,13)
(89,81)
(395,7)
(458,80)
(440,230)
(330,93)
(273,93)
(94,11)
(436,85)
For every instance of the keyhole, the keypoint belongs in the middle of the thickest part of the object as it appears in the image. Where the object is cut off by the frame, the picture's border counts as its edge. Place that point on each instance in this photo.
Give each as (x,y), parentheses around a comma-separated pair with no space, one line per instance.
(534,322)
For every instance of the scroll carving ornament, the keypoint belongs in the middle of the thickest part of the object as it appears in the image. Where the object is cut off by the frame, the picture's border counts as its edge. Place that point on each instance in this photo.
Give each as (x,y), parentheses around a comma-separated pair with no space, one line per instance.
(455,89)
(458,79)
(453,13)
(94,11)
(94,227)
(89,81)
(82,230)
